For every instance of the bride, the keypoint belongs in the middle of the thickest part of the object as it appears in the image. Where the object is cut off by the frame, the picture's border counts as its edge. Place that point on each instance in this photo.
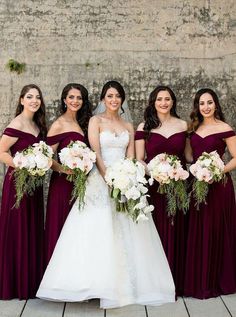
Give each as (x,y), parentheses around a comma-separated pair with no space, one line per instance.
(102,253)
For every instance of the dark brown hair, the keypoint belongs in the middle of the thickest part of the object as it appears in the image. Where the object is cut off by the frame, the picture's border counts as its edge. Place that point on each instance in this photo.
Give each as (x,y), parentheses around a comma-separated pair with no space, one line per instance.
(196,117)
(85,112)
(151,119)
(39,116)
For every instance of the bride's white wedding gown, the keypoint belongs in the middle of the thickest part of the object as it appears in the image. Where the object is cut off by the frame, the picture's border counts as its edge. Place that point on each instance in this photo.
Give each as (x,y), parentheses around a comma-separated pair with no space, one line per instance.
(103,254)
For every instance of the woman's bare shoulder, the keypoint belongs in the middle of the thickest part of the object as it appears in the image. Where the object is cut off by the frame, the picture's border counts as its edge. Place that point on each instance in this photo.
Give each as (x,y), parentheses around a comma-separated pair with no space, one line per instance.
(128,126)
(57,127)
(16,123)
(140,126)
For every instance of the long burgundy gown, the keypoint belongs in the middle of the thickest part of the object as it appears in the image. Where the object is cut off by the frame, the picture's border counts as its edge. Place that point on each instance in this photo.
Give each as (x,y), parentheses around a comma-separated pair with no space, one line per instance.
(21,233)
(59,195)
(211,248)
(173,235)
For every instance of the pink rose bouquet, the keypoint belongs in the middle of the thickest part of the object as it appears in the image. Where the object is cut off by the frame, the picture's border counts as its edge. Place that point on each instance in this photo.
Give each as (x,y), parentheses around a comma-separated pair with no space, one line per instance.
(80,159)
(31,165)
(167,170)
(208,168)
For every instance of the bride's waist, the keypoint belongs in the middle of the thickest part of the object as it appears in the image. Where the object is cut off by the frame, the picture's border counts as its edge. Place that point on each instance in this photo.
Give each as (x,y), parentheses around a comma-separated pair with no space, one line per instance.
(110,160)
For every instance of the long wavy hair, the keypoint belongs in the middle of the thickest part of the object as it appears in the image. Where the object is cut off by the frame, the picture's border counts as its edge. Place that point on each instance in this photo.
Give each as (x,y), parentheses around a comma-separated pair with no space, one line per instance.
(151,119)
(196,117)
(39,116)
(85,112)
(113,84)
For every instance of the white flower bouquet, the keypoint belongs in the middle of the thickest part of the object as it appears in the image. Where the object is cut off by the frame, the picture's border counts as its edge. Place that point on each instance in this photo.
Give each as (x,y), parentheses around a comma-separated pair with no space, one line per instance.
(167,170)
(31,165)
(128,188)
(208,168)
(80,159)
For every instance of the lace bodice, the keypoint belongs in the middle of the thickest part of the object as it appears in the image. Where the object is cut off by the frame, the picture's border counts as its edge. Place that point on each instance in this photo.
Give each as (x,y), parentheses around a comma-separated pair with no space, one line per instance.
(113,146)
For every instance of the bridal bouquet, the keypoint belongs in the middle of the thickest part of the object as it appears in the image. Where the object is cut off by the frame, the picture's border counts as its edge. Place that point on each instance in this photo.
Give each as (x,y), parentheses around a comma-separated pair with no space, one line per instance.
(208,169)
(78,158)
(167,170)
(31,165)
(128,188)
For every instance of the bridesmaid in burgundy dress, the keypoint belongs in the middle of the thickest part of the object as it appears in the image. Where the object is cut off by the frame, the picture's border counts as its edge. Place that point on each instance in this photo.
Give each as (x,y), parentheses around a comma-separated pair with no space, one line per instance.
(70,126)
(211,248)
(163,131)
(21,229)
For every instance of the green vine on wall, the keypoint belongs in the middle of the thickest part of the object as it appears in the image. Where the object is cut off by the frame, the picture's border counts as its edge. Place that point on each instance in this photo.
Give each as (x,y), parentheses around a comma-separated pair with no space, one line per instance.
(15,66)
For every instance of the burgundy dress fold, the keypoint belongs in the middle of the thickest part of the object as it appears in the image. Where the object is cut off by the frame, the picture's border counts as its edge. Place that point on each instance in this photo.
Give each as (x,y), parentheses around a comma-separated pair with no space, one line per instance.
(211,248)
(59,196)
(173,235)
(21,233)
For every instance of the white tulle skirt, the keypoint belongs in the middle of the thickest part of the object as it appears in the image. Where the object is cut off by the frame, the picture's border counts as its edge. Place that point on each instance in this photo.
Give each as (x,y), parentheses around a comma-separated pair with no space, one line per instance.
(103,254)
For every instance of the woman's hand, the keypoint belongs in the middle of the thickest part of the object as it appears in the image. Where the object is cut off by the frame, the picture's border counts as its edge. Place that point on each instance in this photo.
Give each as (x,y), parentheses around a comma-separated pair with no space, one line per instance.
(66,171)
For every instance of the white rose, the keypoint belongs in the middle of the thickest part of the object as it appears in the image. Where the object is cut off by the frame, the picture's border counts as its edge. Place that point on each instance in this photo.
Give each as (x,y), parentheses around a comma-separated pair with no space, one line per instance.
(206,162)
(121,181)
(42,162)
(30,161)
(64,155)
(20,160)
(164,167)
(130,166)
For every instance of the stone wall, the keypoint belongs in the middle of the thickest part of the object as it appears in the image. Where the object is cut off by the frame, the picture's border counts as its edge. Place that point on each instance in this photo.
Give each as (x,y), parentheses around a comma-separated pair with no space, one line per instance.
(186,44)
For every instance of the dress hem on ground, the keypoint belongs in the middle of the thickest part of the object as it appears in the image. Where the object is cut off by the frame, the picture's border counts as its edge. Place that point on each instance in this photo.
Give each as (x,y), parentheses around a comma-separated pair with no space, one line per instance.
(107,301)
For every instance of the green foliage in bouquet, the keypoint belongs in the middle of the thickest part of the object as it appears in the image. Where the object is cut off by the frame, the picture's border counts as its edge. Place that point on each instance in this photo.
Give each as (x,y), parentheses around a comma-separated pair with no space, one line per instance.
(78,178)
(31,165)
(208,168)
(25,184)
(199,192)
(124,205)
(176,195)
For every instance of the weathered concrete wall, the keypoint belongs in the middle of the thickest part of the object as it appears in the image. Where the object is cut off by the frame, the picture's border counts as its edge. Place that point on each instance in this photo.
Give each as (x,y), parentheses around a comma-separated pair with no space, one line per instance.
(185,44)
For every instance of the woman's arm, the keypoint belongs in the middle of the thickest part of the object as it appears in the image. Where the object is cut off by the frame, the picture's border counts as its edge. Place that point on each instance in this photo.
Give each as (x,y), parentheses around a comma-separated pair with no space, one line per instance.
(94,141)
(140,149)
(231,145)
(56,166)
(54,130)
(6,142)
(130,147)
(140,152)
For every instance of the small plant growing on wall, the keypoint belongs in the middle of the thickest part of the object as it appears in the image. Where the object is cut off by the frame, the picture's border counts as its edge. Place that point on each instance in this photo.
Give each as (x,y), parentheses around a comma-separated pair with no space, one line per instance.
(15,66)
